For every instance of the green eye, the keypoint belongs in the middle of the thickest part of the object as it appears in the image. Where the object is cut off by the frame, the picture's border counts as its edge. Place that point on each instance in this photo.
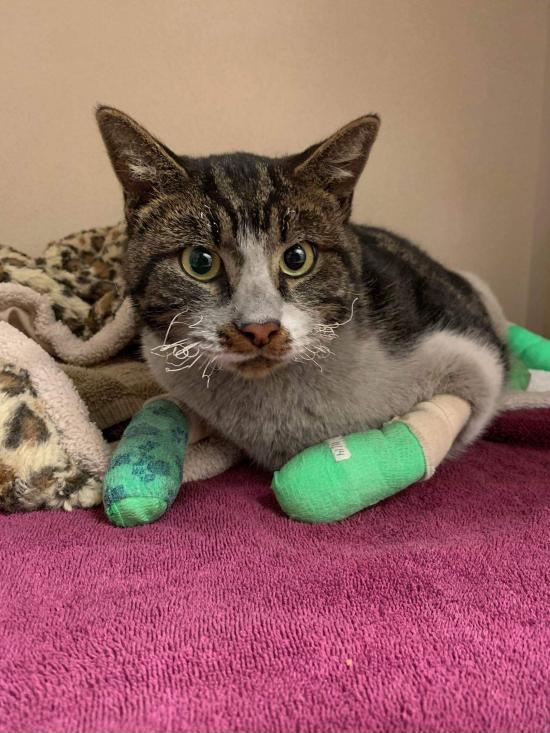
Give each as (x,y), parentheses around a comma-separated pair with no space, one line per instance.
(200,263)
(297,260)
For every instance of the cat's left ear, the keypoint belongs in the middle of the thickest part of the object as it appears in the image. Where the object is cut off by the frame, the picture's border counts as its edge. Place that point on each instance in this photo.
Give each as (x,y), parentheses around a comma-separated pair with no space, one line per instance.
(336,163)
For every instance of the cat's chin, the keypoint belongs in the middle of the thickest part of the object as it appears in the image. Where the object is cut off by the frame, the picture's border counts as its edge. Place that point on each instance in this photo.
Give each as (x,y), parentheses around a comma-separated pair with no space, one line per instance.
(256,368)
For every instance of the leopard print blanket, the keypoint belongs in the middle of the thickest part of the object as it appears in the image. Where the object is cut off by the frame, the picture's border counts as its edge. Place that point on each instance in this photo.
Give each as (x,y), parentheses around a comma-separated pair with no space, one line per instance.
(81,274)
(52,453)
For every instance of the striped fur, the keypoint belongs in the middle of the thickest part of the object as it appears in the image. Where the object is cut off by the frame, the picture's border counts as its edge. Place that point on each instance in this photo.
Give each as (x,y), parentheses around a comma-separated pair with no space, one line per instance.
(355,343)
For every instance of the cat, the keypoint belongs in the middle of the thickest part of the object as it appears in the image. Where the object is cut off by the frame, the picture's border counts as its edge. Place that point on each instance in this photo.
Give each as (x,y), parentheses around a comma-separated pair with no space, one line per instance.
(272,317)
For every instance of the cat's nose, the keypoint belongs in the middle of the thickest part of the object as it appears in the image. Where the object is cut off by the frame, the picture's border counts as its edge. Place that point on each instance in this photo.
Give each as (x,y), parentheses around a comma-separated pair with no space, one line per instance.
(260,333)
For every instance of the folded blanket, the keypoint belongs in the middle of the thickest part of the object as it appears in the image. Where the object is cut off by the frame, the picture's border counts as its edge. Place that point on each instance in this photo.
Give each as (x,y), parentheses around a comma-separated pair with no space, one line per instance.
(69,370)
(81,277)
(113,392)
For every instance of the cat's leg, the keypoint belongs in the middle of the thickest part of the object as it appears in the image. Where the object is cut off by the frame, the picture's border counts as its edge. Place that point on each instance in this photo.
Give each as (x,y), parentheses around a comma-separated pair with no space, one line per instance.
(146,469)
(208,453)
(339,477)
(466,367)
(532,349)
(459,382)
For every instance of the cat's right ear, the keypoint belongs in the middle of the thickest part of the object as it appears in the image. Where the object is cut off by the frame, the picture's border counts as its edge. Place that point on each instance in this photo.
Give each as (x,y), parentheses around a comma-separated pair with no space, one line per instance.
(143,165)
(336,163)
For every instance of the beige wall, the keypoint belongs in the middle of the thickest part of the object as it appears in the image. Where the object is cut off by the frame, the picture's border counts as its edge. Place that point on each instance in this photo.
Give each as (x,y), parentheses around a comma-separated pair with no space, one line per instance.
(459,85)
(538,314)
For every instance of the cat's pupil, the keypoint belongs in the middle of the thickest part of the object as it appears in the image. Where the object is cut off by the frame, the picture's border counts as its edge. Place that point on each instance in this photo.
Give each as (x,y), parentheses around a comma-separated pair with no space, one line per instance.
(295,257)
(200,261)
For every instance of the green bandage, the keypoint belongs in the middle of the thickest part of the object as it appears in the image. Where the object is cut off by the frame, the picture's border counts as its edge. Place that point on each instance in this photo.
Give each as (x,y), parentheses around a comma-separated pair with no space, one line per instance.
(335,479)
(532,349)
(146,470)
(519,375)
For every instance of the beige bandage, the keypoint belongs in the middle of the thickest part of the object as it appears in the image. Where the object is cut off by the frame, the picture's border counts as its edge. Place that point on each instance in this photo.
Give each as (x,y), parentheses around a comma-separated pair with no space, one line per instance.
(436,424)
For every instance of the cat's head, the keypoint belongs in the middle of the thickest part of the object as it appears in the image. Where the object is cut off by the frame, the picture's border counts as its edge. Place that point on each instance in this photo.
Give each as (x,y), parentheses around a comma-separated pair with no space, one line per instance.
(239,260)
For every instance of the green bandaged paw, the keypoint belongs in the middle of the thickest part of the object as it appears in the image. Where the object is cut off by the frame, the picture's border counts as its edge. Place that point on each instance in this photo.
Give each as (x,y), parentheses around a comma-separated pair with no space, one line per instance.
(519,375)
(146,470)
(532,349)
(335,479)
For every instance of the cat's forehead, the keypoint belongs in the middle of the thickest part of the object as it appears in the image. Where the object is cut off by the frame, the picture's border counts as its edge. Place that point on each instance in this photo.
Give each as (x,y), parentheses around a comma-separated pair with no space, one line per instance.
(238,202)
(251,196)
(246,189)
(242,180)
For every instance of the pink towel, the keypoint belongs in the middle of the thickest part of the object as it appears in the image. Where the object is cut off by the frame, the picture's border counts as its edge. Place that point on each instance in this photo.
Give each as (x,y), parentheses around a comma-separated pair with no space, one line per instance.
(428,612)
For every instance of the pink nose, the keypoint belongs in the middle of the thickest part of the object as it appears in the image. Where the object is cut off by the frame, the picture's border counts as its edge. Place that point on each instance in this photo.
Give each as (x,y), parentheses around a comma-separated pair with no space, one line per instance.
(260,333)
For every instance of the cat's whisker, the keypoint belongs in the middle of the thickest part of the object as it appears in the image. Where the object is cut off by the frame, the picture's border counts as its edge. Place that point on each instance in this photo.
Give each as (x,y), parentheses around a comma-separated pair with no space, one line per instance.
(178,350)
(328,330)
(172,323)
(337,325)
(180,357)
(204,335)
(174,365)
(316,364)
(194,325)
(309,355)
(159,350)
(183,364)
(323,352)
(208,370)
(187,350)
(309,351)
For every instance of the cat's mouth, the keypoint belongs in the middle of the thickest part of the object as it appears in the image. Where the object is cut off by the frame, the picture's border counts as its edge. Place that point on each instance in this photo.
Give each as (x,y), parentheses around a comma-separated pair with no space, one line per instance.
(254,362)
(257,367)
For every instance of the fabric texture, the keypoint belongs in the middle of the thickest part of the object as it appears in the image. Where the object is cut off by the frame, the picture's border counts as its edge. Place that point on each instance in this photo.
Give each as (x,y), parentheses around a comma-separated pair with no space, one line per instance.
(427,612)
(67,304)
(115,391)
(80,276)
(52,454)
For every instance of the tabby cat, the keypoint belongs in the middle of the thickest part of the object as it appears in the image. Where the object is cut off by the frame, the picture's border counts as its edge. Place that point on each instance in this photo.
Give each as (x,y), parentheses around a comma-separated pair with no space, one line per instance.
(275,319)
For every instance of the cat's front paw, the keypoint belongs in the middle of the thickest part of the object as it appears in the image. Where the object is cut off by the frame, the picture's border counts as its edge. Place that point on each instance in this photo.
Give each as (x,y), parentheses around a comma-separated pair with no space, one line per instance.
(88,495)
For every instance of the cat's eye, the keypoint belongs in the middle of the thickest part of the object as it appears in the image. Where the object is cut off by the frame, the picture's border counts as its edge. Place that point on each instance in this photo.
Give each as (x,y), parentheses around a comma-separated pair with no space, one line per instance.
(200,263)
(297,260)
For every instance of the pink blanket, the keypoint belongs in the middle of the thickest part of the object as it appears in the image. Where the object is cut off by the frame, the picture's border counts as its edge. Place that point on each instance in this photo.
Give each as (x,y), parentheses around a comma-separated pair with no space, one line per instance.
(428,612)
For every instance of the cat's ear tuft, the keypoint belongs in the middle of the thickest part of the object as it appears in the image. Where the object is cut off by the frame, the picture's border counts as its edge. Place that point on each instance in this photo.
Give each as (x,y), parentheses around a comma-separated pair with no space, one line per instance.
(143,165)
(336,163)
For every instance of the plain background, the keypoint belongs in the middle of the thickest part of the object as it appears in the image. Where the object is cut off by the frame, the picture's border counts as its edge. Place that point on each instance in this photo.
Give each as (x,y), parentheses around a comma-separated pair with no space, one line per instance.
(462,163)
